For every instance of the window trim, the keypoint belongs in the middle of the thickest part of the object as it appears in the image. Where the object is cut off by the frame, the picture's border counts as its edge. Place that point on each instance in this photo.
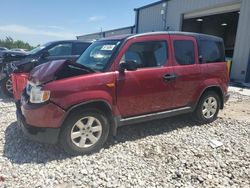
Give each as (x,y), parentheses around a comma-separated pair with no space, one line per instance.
(145,41)
(174,56)
(223,50)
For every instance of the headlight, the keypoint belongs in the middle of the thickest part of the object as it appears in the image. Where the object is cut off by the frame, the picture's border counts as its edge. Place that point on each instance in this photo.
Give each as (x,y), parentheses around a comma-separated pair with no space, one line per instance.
(37,95)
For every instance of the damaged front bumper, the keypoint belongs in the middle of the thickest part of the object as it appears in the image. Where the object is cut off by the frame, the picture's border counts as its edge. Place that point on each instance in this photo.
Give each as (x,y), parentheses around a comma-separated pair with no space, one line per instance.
(43,135)
(42,123)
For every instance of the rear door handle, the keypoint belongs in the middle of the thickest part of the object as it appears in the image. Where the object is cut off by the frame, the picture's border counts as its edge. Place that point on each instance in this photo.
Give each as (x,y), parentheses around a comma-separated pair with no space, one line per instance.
(169,77)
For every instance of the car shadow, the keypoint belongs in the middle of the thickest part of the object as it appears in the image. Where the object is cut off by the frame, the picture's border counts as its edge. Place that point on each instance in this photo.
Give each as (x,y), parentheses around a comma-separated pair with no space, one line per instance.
(5,99)
(20,150)
(152,128)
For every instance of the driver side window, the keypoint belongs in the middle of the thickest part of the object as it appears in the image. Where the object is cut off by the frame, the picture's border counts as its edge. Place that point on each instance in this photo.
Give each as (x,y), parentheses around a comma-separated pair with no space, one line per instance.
(61,50)
(147,54)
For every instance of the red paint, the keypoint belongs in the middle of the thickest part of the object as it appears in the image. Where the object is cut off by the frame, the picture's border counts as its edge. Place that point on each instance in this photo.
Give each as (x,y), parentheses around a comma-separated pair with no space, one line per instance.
(135,92)
(19,81)
(47,115)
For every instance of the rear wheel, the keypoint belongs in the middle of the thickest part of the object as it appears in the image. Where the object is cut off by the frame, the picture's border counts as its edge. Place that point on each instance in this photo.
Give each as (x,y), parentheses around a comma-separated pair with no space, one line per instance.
(7,87)
(84,132)
(208,107)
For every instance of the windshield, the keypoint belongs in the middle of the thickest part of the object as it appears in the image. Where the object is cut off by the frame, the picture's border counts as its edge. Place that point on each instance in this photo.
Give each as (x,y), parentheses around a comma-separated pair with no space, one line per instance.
(37,49)
(97,55)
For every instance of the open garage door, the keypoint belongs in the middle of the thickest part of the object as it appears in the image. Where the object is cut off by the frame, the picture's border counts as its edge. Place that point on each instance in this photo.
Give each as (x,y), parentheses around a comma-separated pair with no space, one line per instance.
(220,21)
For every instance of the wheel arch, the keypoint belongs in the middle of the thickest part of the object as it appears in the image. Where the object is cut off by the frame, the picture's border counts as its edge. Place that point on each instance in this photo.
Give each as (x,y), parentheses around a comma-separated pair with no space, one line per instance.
(101,105)
(217,90)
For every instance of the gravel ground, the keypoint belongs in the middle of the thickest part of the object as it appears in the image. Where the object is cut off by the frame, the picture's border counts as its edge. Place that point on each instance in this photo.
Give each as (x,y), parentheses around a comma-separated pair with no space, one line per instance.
(173,152)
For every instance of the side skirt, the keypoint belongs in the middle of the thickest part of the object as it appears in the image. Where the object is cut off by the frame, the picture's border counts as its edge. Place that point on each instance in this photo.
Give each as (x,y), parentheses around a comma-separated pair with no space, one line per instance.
(152,116)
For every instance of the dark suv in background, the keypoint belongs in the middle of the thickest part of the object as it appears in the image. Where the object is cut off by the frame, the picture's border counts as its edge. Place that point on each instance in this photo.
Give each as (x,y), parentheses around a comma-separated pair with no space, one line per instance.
(26,61)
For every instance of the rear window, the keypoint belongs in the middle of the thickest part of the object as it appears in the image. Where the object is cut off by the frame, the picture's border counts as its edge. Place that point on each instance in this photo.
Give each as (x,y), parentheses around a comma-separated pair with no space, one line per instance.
(212,51)
(79,48)
(184,52)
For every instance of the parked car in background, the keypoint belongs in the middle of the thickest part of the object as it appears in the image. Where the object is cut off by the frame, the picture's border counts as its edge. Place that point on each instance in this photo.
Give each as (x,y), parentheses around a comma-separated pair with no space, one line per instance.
(3,48)
(19,50)
(20,62)
(124,80)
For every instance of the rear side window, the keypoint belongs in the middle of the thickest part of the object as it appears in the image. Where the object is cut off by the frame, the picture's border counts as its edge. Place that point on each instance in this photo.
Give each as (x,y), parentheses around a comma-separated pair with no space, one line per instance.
(212,51)
(184,52)
(64,49)
(79,48)
(147,54)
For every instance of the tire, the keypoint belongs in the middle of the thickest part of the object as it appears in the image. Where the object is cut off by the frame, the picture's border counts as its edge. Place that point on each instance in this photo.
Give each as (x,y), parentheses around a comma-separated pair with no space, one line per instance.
(76,137)
(207,108)
(7,87)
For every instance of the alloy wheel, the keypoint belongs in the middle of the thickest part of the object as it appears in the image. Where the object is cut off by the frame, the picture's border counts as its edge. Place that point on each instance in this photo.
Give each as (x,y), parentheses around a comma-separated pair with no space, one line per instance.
(86,132)
(209,107)
(9,85)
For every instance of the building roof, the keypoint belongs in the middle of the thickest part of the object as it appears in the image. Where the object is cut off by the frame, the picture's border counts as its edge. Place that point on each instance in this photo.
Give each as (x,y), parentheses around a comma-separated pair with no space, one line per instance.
(112,30)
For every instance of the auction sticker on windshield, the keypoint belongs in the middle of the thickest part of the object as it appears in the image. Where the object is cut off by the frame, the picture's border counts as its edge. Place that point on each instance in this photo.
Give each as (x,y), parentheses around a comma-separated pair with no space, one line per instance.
(108,47)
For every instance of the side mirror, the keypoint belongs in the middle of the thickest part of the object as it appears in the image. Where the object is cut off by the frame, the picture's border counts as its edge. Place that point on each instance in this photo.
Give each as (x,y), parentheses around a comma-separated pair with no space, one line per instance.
(129,65)
(202,60)
(45,55)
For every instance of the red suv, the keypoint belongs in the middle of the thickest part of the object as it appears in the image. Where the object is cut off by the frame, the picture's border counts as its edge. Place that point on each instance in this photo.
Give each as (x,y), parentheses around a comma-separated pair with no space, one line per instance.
(124,80)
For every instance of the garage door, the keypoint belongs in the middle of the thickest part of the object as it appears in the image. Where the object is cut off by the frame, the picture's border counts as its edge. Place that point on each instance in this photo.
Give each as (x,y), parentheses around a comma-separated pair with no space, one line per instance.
(213,11)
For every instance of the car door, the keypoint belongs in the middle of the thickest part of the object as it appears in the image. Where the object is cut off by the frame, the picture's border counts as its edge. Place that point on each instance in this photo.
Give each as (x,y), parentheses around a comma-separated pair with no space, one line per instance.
(186,69)
(145,90)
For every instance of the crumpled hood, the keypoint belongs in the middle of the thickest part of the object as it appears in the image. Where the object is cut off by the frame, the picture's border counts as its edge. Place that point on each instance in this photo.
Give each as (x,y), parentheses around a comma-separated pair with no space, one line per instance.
(46,72)
(56,70)
(12,56)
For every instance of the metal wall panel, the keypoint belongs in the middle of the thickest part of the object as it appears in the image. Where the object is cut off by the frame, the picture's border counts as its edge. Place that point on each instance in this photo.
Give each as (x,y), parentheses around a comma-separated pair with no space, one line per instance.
(118,32)
(150,18)
(177,8)
(94,36)
(242,46)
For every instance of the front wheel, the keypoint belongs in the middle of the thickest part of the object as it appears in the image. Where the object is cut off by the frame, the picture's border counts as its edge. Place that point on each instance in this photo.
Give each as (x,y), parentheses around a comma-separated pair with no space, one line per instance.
(7,87)
(84,132)
(208,107)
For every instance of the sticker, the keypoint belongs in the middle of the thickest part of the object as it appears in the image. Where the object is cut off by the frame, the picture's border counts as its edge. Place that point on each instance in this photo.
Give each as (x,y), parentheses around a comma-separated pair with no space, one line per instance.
(108,47)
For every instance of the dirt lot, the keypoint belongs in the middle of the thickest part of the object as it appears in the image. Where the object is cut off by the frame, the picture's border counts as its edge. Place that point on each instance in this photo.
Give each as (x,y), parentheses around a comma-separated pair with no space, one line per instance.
(172,152)
(237,108)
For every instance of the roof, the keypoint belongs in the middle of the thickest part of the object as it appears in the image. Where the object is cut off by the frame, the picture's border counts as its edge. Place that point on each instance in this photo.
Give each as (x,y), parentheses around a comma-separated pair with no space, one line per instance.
(129,36)
(112,30)
(71,41)
(150,5)
(117,37)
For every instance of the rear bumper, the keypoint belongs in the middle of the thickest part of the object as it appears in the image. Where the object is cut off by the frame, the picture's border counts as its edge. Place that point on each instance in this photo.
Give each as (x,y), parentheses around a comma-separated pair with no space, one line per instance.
(43,135)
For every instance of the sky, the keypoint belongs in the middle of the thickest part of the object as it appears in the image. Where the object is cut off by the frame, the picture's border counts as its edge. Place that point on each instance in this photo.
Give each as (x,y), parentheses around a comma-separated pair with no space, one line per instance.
(40,21)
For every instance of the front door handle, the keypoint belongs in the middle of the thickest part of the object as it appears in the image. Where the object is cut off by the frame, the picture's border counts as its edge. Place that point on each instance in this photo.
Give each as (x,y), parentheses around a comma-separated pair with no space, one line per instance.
(169,77)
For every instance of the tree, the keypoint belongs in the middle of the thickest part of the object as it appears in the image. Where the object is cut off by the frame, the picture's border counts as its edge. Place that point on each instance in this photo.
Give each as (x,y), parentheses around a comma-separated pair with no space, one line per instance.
(8,42)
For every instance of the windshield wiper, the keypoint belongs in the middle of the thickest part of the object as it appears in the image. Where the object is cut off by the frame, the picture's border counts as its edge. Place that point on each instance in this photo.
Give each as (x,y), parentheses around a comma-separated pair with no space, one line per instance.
(88,68)
(78,65)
